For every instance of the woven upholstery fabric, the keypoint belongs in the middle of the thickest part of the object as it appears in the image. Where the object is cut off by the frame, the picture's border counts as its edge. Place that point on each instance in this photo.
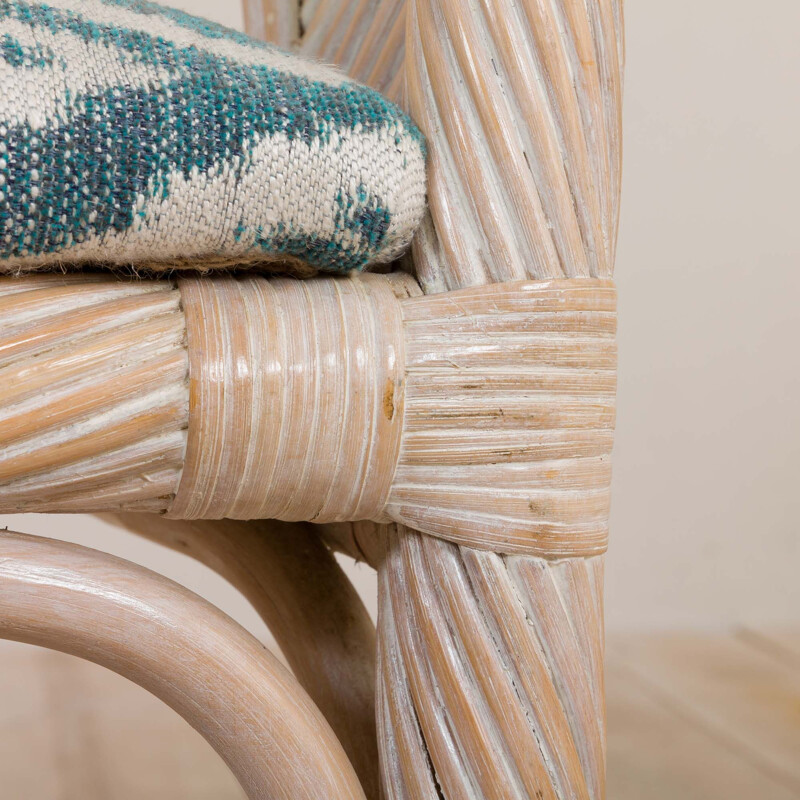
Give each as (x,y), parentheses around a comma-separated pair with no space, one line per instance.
(131,133)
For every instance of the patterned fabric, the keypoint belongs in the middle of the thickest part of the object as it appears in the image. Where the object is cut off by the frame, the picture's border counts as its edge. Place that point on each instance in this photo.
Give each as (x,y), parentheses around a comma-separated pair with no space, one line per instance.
(131,133)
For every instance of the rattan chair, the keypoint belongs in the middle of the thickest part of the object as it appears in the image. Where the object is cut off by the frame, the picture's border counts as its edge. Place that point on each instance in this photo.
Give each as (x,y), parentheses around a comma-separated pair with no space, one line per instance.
(454,433)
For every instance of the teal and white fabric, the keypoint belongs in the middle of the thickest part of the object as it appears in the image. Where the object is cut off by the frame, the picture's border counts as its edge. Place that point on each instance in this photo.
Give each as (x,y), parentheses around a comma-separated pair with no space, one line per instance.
(131,133)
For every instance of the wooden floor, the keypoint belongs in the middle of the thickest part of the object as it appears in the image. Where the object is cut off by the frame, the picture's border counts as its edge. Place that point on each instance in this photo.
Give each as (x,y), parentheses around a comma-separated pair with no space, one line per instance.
(690,718)
(701,718)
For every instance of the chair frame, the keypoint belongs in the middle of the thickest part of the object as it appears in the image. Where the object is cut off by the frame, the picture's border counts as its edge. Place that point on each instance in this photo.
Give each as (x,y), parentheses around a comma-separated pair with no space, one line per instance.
(485,675)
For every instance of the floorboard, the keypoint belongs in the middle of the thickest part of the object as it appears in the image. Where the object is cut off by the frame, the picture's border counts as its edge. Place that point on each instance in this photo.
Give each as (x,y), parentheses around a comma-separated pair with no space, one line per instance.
(780,643)
(745,699)
(654,753)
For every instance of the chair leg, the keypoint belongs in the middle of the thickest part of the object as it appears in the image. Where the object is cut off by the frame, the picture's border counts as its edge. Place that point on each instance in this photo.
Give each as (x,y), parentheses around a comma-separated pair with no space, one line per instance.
(186,652)
(294,583)
(490,666)
(490,673)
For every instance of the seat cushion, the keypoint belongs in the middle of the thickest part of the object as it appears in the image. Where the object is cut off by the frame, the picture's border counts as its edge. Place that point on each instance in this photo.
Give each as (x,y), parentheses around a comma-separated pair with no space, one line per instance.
(131,133)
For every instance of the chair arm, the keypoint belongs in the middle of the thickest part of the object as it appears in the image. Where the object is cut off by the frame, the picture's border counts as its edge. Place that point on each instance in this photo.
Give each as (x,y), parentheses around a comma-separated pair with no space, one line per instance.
(483,416)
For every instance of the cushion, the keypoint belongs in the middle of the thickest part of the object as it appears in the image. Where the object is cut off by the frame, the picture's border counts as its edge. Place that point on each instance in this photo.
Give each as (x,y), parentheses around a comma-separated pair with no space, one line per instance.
(131,133)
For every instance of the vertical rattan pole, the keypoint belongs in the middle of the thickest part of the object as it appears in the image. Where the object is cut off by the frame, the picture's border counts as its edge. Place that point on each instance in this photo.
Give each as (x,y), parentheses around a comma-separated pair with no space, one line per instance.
(276,21)
(364,37)
(490,666)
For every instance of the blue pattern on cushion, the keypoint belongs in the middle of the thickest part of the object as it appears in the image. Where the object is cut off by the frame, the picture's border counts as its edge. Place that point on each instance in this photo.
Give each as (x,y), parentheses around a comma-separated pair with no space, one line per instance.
(185,139)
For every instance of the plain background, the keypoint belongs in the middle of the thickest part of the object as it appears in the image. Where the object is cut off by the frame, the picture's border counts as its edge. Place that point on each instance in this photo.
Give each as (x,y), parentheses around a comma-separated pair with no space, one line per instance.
(707,459)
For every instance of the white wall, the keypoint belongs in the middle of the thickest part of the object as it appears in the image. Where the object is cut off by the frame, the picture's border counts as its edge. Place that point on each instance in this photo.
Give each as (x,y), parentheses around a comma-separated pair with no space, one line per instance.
(706,484)
(226,12)
(706,500)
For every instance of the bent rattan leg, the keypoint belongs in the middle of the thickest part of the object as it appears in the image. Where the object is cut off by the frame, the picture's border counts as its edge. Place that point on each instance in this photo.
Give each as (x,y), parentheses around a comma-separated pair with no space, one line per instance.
(318,620)
(183,650)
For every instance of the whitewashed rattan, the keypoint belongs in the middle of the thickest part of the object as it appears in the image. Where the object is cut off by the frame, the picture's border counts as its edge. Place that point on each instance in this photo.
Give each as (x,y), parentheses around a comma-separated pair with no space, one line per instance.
(467,458)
